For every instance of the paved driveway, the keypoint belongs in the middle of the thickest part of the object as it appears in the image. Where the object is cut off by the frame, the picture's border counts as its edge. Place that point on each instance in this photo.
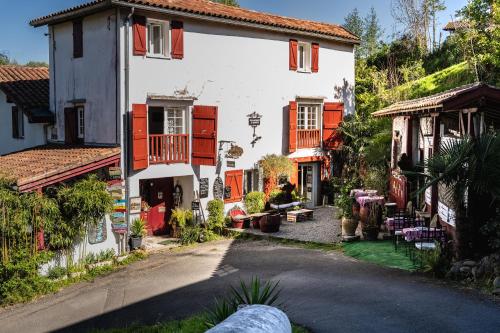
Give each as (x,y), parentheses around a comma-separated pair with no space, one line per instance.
(324,291)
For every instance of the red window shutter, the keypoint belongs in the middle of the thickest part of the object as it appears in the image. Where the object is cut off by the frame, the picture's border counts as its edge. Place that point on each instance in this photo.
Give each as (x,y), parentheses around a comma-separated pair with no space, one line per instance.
(204,143)
(333,113)
(140,136)
(77,39)
(293,54)
(234,179)
(315,58)
(177,40)
(139,33)
(292,138)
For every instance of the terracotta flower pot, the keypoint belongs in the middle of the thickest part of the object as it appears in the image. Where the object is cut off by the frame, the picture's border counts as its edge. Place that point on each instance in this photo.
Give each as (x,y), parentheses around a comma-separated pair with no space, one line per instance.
(349,226)
(370,233)
(238,224)
(270,223)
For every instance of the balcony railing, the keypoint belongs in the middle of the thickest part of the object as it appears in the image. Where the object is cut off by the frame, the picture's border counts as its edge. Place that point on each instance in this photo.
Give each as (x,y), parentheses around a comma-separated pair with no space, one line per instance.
(168,148)
(308,138)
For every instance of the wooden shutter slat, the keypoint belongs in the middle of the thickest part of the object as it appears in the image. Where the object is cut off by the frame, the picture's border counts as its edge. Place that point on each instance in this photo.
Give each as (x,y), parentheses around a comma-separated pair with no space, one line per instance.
(177,40)
(293,54)
(315,58)
(292,137)
(139,34)
(204,138)
(333,114)
(140,136)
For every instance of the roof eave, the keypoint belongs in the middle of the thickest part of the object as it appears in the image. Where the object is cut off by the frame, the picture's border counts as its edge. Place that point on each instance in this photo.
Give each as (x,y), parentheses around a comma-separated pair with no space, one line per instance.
(71,14)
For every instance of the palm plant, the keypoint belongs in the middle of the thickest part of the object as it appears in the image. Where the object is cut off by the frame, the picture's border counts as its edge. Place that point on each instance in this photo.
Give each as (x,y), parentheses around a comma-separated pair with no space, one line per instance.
(469,170)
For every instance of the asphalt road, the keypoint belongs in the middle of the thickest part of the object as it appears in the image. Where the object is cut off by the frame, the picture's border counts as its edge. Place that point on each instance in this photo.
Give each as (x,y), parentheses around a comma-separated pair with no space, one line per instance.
(324,291)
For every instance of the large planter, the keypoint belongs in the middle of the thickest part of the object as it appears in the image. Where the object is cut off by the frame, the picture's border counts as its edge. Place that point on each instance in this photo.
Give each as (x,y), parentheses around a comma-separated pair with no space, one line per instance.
(256,220)
(364,214)
(370,233)
(349,226)
(238,224)
(135,242)
(355,209)
(270,223)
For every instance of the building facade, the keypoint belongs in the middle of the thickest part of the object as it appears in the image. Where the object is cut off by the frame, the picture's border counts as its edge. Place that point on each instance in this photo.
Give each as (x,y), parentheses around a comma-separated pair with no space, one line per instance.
(196,93)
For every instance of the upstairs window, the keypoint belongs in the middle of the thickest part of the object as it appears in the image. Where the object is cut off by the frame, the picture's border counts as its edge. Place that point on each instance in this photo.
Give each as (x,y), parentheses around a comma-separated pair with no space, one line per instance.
(77,39)
(304,57)
(308,116)
(17,123)
(157,32)
(81,122)
(175,120)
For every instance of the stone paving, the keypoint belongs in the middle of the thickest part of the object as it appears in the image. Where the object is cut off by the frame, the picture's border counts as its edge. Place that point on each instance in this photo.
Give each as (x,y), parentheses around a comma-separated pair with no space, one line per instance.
(324,228)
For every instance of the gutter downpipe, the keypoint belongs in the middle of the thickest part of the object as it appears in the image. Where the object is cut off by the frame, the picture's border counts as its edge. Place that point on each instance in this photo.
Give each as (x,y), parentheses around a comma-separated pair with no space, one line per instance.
(126,119)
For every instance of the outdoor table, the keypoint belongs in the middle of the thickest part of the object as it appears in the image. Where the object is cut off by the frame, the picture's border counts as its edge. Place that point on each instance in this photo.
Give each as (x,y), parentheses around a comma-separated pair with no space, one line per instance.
(299,215)
(370,200)
(424,215)
(362,193)
(393,223)
(417,233)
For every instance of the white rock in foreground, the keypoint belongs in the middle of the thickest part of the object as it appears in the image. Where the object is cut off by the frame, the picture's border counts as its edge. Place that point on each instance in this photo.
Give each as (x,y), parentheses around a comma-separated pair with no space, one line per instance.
(255,319)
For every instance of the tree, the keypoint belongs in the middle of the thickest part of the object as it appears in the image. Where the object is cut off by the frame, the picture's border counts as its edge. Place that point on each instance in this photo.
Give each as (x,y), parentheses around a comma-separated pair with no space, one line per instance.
(37,64)
(354,23)
(435,6)
(4,60)
(372,32)
(228,2)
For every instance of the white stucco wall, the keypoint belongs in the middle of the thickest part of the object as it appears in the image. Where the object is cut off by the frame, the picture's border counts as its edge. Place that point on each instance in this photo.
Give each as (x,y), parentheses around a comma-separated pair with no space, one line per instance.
(34,134)
(240,71)
(91,77)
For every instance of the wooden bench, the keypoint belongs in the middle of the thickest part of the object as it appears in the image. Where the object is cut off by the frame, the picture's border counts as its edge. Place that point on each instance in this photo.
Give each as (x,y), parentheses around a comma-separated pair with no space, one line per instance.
(299,215)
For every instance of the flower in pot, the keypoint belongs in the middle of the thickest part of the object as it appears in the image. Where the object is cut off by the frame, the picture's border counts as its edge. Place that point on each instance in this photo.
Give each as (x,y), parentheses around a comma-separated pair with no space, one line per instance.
(137,231)
(349,219)
(255,203)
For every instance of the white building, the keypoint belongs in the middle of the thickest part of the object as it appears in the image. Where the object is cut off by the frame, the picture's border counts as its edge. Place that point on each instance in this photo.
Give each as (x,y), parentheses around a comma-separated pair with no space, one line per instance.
(24,107)
(173,83)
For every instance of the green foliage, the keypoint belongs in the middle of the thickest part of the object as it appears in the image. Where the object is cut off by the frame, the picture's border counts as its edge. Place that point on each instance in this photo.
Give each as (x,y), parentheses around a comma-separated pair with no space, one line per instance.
(4,59)
(104,255)
(255,202)
(368,30)
(57,272)
(344,200)
(220,311)
(138,228)
(181,217)
(36,64)
(435,262)
(491,230)
(274,167)
(228,2)
(215,220)
(376,178)
(196,234)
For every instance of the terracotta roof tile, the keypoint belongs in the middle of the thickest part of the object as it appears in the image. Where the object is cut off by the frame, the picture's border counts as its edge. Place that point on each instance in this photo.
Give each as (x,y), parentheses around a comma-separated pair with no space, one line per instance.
(27,87)
(40,162)
(217,10)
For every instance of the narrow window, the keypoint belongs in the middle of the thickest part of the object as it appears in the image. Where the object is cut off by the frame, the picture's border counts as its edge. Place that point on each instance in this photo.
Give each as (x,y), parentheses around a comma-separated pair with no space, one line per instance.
(304,57)
(157,38)
(17,123)
(77,39)
(81,122)
(308,116)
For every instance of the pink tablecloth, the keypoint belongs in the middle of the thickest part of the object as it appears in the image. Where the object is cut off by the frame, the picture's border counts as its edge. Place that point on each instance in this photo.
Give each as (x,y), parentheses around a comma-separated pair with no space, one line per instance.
(356,193)
(419,233)
(370,200)
(399,223)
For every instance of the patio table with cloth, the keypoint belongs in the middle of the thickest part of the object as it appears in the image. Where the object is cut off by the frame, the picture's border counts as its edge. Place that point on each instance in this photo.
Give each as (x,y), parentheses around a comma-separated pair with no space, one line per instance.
(371,200)
(395,223)
(419,233)
(356,193)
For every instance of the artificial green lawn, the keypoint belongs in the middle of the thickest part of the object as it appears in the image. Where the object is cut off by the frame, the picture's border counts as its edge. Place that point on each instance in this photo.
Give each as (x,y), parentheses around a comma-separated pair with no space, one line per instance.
(194,324)
(379,252)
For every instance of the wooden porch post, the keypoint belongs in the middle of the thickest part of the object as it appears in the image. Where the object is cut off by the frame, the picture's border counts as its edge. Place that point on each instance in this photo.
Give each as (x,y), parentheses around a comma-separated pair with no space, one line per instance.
(436,139)
(409,139)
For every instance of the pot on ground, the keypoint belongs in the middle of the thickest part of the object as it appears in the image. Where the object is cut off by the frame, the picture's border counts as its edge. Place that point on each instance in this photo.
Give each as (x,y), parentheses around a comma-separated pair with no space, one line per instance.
(349,226)
(135,242)
(370,233)
(270,223)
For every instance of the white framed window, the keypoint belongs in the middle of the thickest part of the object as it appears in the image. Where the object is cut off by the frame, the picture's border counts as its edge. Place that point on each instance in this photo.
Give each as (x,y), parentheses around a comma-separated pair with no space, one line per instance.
(175,120)
(304,57)
(158,35)
(80,113)
(308,116)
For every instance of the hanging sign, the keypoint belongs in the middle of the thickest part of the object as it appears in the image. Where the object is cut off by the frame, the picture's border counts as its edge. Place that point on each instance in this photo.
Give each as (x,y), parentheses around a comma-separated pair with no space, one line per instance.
(234,152)
(115,173)
(231,164)
(204,184)
(135,205)
(218,188)
(195,205)
(254,122)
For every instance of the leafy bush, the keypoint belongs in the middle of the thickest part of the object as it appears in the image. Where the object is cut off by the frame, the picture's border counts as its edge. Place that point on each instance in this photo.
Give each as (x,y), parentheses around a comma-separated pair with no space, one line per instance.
(274,167)
(104,255)
(181,217)
(344,200)
(436,262)
(376,178)
(57,272)
(221,310)
(196,234)
(138,228)
(255,202)
(491,230)
(215,220)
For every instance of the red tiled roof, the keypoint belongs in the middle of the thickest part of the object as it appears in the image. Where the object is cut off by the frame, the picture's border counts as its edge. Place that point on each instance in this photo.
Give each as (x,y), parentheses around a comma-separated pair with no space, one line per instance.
(215,10)
(27,87)
(39,164)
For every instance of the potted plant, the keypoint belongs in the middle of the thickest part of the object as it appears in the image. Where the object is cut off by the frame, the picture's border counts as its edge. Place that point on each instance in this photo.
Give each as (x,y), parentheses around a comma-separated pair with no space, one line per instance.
(349,219)
(137,231)
(255,203)
(270,223)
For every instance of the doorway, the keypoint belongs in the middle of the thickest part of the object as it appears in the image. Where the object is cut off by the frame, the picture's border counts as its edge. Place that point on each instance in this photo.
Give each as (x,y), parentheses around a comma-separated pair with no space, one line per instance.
(308,183)
(157,194)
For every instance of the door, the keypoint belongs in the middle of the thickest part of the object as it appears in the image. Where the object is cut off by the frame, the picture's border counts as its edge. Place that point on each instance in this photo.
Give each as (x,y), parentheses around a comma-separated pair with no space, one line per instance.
(157,193)
(308,183)
(70,126)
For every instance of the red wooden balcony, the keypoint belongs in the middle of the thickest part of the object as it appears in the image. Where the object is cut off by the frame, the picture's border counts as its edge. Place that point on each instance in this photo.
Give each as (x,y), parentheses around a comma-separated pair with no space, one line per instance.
(308,138)
(168,148)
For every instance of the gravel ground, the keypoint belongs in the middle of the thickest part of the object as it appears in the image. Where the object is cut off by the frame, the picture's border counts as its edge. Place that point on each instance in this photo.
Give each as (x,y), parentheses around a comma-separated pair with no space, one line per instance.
(325,228)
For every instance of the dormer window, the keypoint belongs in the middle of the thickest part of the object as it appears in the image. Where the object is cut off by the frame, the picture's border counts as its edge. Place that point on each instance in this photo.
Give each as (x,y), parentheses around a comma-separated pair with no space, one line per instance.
(157,32)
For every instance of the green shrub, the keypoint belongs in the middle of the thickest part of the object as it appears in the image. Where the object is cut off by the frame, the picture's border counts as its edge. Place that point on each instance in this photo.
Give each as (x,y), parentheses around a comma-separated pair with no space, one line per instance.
(138,228)
(255,202)
(215,220)
(196,234)
(278,197)
(57,272)
(376,178)
(181,217)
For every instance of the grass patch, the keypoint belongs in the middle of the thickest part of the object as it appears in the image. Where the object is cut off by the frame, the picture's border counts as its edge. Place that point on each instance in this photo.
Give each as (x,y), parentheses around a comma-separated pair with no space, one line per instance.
(380,253)
(243,236)
(194,324)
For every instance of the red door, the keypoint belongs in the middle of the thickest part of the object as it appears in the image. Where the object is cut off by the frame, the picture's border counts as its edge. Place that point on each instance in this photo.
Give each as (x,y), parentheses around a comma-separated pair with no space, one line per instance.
(158,195)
